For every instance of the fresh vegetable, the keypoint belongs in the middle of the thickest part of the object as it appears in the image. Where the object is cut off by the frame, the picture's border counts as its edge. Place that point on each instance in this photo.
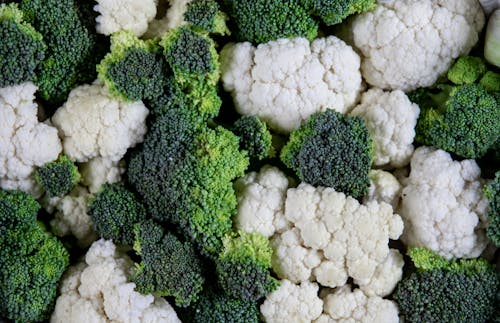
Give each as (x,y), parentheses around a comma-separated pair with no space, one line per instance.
(59,177)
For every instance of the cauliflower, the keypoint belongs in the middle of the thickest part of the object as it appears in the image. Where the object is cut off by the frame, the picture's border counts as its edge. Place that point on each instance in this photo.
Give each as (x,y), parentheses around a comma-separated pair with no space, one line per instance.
(116,15)
(173,18)
(443,206)
(98,290)
(71,217)
(292,303)
(408,44)
(391,119)
(384,187)
(261,201)
(92,124)
(99,171)
(287,80)
(24,142)
(334,237)
(344,305)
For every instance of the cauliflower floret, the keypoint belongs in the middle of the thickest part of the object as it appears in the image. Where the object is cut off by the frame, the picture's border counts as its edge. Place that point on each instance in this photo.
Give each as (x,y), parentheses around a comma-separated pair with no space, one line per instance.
(292,303)
(287,80)
(116,15)
(24,142)
(391,119)
(443,206)
(261,201)
(99,171)
(408,44)
(98,290)
(71,217)
(384,187)
(346,306)
(333,237)
(172,19)
(92,124)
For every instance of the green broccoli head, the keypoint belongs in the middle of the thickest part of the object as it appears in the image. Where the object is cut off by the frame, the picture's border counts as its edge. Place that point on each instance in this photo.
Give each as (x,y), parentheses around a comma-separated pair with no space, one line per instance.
(331,150)
(467,70)
(491,81)
(260,21)
(31,263)
(168,266)
(255,138)
(59,177)
(134,69)
(447,291)
(334,11)
(464,120)
(243,267)
(492,193)
(21,49)
(205,15)
(114,211)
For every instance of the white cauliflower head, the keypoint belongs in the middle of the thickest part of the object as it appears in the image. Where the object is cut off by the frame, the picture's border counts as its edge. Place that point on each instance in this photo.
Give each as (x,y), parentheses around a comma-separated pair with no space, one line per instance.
(116,15)
(261,201)
(98,290)
(344,305)
(92,124)
(391,119)
(408,44)
(443,206)
(287,80)
(384,187)
(292,303)
(99,171)
(25,143)
(333,237)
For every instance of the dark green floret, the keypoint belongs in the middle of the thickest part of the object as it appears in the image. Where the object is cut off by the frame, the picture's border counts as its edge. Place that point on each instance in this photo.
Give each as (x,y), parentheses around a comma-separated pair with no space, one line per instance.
(467,70)
(447,290)
(21,49)
(168,266)
(206,16)
(464,120)
(334,11)
(59,177)
(255,138)
(243,267)
(114,212)
(331,150)
(31,262)
(492,193)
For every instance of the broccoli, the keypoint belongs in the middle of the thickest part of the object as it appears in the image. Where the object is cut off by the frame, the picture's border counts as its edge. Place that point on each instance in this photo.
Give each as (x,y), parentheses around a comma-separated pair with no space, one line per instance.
(114,212)
(254,136)
(206,16)
(22,47)
(31,261)
(70,47)
(331,150)
(492,193)
(243,267)
(260,21)
(491,81)
(447,291)
(334,11)
(467,70)
(184,173)
(59,177)
(464,120)
(168,266)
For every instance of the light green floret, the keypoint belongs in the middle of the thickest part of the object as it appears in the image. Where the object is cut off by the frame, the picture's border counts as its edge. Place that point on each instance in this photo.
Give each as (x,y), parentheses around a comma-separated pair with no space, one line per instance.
(467,70)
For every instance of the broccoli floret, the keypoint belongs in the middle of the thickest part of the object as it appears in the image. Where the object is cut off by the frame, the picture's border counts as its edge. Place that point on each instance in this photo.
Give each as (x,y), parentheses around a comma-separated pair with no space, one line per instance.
(31,261)
(21,49)
(260,21)
(59,177)
(206,16)
(254,136)
(492,193)
(491,81)
(464,120)
(447,291)
(467,70)
(331,150)
(243,267)
(115,211)
(168,266)
(70,47)
(334,11)
(134,69)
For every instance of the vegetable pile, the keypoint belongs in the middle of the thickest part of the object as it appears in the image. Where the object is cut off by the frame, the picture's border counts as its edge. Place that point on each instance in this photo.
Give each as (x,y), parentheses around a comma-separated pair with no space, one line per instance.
(249,161)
